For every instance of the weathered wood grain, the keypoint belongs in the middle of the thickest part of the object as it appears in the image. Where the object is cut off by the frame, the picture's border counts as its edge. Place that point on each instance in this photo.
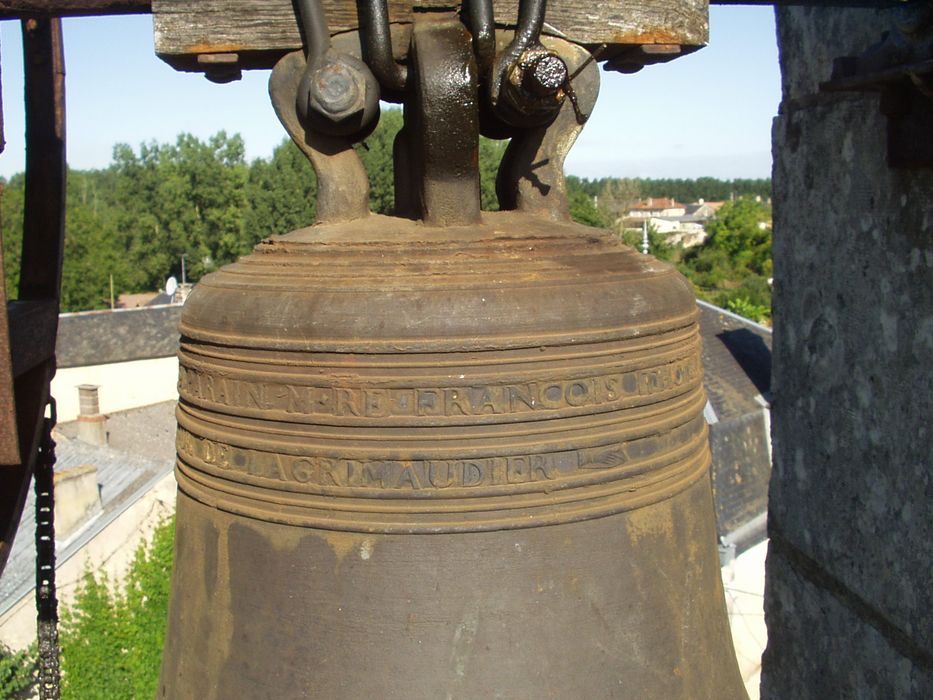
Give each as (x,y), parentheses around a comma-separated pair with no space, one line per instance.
(259,32)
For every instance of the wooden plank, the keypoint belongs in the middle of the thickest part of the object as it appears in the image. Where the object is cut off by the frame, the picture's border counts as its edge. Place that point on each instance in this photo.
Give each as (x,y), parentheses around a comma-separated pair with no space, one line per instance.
(72,8)
(261,32)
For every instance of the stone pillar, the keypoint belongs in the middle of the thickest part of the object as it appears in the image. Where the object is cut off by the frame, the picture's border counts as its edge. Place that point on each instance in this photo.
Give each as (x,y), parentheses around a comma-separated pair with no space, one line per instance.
(849,599)
(91,424)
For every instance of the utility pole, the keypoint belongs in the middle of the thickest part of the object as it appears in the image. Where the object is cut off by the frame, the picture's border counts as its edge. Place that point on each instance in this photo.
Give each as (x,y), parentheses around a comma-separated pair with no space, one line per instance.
(183,278)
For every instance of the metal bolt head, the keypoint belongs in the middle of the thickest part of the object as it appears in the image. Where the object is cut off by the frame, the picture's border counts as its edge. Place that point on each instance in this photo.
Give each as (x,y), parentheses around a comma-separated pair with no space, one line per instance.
(337,89)
(337,95)
(544,75)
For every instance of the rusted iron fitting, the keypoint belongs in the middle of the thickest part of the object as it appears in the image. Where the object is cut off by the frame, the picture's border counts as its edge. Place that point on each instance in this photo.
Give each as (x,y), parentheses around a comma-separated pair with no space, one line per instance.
(338,95)
(534,88)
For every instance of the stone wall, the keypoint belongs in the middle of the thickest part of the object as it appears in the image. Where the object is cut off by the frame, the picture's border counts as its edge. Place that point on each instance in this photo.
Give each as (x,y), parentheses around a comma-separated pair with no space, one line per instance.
(849,599)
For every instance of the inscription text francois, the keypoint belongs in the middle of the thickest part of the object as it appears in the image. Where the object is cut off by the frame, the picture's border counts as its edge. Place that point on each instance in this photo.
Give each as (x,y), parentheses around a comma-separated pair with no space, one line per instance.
(528,397)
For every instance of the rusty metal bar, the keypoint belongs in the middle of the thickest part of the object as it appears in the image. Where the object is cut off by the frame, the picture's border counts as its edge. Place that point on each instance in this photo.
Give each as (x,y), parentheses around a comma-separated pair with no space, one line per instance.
(43,219)
(33,325)
(9,441)
(41,263)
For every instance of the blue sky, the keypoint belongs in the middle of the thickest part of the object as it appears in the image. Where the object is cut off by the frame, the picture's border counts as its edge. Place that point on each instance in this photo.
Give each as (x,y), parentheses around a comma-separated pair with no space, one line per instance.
(708,113)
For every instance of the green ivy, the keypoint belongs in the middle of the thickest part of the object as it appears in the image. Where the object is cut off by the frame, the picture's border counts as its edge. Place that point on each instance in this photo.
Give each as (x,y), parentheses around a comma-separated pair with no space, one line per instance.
(17,672)
(112,636)
(744,307)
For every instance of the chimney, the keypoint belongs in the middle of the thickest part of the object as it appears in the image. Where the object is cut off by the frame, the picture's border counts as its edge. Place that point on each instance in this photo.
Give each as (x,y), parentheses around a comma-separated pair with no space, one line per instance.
(77,499)
(91,424)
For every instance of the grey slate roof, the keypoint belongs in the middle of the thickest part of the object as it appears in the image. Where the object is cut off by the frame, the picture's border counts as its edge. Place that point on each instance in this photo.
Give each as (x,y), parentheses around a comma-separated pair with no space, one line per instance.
(736,361)
(737,377)
(102,337)
(141,453)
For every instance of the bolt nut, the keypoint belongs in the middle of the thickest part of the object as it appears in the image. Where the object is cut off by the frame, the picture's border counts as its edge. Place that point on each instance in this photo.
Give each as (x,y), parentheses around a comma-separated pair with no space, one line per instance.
(337,90)
(337,95)
(544,75)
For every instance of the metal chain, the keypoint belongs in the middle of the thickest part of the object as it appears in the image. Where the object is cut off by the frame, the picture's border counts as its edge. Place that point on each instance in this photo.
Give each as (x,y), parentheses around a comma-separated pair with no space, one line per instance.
(46,600)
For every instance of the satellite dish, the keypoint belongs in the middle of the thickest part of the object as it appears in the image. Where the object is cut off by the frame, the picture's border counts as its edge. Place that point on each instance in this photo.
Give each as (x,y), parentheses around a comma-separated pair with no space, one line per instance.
(171,284)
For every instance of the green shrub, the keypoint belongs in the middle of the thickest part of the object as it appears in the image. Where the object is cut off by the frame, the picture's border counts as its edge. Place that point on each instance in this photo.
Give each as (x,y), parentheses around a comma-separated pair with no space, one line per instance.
(112,637)
(17,672)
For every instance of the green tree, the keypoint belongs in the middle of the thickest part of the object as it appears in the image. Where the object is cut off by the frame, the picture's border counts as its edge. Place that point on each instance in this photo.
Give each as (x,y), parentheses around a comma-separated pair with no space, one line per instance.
(12,196)
(657,243)
(490,157)
(582,208)
(17,673)
(112,637)
(187,198)
(280,192)
(742,230)
(733,265)
(616,196)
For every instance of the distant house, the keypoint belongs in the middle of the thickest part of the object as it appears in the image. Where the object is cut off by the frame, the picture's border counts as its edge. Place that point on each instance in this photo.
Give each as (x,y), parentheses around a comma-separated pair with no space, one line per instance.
(702,210)
(681,224)
(654,206)
(129,353)
(678,231)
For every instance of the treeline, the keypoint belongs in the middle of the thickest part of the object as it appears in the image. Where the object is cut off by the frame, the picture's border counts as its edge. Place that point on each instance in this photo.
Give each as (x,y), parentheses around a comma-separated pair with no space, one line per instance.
(135,221)
(685,191)
(732,267)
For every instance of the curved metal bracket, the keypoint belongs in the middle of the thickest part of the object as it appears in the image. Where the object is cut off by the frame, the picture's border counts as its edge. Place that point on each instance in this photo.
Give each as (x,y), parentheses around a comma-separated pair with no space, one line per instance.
(342,183)
(479,18)
(377,47)
(531,176)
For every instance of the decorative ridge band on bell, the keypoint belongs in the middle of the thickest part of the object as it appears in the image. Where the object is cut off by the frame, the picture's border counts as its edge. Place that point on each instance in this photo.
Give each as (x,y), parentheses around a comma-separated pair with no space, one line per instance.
(601,414)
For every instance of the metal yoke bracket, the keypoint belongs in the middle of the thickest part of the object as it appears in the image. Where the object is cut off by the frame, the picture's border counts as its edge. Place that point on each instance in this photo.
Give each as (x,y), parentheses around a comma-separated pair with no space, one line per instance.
(539,97)
(441,126)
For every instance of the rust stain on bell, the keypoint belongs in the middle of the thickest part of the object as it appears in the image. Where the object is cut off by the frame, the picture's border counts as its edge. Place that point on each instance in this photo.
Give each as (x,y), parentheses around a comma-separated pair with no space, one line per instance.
(445,462)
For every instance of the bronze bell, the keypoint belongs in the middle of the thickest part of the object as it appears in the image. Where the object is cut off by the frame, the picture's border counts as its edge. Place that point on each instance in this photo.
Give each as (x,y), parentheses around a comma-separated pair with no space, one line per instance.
(457,455)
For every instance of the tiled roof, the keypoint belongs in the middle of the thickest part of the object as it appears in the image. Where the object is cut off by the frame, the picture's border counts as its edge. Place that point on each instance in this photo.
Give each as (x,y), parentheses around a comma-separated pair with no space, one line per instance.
(653,203)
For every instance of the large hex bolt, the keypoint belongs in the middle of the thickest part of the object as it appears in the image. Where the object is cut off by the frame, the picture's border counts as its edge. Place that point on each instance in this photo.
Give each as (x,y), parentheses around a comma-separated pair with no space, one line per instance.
(337,96)
(337,91)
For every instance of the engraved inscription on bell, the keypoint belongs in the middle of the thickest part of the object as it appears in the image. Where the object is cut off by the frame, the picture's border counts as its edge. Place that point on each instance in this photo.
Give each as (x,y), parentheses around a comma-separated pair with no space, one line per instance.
(447,453)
